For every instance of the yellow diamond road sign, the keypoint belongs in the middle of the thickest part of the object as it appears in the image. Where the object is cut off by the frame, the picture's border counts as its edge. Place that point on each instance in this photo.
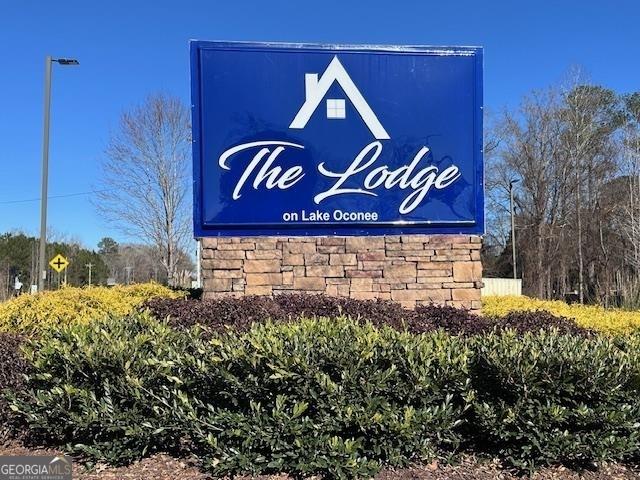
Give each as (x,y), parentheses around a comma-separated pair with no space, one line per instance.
(59,263)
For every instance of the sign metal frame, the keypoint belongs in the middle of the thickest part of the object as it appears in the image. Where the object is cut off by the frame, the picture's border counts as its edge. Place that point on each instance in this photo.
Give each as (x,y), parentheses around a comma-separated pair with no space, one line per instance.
(202,229)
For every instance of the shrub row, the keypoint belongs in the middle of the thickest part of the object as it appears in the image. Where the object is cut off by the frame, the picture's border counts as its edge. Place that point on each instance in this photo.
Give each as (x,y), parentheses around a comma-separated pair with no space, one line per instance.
(12,368)
(334,397)
(594,317)
(240,313)
(29,314)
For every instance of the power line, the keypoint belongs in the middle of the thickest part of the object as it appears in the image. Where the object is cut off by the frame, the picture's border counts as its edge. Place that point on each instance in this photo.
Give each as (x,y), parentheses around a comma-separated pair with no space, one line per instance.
(78,194)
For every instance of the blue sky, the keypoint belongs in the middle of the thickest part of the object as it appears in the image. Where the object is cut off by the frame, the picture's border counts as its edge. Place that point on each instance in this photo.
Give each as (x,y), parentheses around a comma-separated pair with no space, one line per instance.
(130,49)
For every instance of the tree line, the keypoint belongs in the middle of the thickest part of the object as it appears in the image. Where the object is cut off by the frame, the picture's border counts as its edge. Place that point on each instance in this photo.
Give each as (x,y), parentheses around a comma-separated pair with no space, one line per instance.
(572,155)
(134,263)
(111,263)
(18,264)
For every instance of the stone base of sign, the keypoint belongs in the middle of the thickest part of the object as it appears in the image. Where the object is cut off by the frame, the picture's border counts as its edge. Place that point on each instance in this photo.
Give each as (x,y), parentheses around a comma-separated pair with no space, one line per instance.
(411,270)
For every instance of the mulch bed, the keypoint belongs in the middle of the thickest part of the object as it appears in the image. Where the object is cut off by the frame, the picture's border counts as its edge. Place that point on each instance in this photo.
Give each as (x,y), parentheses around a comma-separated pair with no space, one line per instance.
(164,467)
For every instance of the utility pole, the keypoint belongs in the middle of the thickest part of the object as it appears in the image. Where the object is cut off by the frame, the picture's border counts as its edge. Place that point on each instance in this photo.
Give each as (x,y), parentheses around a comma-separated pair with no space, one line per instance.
(42,265)
(89,266)
(513,229)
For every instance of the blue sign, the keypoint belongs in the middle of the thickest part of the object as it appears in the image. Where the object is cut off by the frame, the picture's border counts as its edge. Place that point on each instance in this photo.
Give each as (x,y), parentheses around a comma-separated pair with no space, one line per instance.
(293,139)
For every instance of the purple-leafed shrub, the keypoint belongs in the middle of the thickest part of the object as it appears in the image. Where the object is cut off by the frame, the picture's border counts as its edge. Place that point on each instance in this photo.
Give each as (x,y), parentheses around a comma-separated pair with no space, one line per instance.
(240,313)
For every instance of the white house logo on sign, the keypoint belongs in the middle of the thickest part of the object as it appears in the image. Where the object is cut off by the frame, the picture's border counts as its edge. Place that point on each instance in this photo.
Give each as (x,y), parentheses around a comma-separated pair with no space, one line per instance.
(363,175)
(316,89)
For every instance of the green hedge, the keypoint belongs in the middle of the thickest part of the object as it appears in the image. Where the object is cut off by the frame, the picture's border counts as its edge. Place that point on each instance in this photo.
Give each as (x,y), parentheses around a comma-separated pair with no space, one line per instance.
(96,388)
(326,396)
(331,397)
(547,399)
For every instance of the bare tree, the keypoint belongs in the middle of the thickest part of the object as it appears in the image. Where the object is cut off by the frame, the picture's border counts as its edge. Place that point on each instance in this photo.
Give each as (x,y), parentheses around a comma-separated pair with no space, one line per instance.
(591,116)
(630,212)
(145,178)
(531,153)
(497,210)
(564,147)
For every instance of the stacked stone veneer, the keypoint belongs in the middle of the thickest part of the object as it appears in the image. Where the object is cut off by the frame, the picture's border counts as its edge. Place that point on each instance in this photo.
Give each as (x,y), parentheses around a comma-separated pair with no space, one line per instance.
(412,270)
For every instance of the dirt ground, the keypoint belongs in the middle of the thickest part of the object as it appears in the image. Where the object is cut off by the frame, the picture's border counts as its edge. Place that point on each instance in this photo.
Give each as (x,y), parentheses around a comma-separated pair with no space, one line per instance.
(164,467)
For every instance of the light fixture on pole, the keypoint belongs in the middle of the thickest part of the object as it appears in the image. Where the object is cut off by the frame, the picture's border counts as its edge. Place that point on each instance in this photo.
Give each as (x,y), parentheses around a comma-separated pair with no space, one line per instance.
(513,229)
(66,61)
(42,265)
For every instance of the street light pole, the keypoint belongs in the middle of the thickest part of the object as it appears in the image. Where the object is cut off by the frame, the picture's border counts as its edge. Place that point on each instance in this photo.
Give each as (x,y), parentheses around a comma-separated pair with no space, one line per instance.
(513,229)
(42,270)
(42,266)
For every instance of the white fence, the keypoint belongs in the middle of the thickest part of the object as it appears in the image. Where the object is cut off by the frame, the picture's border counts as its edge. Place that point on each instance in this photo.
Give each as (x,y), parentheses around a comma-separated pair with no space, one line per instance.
(501,286)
